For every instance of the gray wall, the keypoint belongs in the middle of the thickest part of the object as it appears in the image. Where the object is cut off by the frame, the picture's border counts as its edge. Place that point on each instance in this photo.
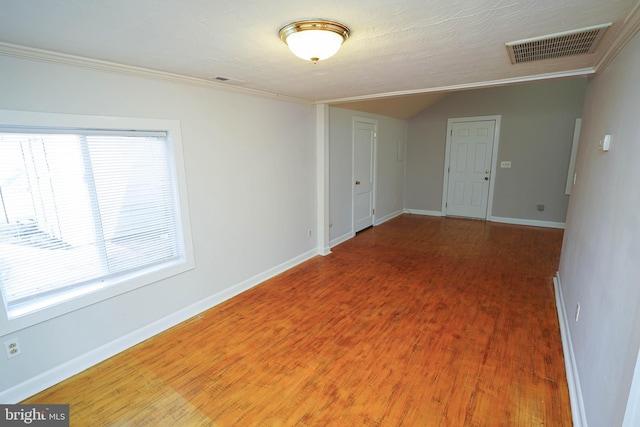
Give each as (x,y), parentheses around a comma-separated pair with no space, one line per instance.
(389,170)
(536,136)
(600,263)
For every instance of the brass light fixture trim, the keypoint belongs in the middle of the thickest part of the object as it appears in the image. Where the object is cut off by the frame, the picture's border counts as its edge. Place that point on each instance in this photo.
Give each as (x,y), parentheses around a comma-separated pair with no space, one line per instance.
(314,25)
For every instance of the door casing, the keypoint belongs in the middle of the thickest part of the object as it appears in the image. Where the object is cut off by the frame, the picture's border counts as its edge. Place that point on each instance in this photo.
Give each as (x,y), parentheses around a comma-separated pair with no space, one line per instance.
(494,159)
(374,160)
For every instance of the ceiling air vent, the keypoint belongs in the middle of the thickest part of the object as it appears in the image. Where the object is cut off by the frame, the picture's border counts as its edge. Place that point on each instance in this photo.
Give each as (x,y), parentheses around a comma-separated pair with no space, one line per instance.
(568,43)
(228,80)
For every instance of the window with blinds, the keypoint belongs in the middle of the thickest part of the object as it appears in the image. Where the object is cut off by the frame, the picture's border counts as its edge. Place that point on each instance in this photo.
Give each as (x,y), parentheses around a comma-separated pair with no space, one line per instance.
(83,210)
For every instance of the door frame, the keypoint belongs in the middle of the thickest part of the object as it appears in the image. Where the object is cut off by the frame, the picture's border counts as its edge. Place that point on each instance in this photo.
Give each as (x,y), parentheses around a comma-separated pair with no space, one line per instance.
(494,158)
(374,167)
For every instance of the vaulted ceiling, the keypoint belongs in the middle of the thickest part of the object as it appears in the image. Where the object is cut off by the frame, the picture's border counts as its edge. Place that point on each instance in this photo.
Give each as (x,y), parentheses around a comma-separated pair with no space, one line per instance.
(407,53)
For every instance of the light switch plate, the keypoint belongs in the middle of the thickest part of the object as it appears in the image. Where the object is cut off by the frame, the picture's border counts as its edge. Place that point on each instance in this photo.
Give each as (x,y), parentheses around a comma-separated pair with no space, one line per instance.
(505,164)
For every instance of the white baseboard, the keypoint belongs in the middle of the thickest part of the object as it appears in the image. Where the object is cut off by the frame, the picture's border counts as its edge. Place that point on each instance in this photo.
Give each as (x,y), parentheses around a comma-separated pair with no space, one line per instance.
(350,235)
(575,391)
(324,250)
(341,239)
(516,221)
(531,222)
(72,367)
(422,212)
(388,217)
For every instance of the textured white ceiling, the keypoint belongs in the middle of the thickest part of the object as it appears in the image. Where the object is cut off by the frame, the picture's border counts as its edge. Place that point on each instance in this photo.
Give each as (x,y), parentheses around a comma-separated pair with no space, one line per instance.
(396,47)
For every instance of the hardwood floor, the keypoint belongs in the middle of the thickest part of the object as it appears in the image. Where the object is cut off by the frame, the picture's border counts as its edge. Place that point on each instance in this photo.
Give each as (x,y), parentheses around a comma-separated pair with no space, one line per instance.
(418,322)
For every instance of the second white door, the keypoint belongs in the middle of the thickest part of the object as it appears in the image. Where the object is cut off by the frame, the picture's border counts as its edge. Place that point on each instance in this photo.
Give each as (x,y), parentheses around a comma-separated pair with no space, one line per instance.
(470,159)
(364,137)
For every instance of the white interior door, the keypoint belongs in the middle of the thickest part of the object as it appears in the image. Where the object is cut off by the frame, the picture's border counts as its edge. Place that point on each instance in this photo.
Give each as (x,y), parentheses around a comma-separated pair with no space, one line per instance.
(364,137)
(470,161)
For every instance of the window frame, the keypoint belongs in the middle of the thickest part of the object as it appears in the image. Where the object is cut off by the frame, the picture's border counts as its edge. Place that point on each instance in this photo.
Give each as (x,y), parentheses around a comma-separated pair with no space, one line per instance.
(141,277)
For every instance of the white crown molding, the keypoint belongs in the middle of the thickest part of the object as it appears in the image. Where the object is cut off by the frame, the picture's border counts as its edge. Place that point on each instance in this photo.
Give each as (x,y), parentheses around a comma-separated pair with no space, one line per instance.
(31,53)
(630,27)
(581,72)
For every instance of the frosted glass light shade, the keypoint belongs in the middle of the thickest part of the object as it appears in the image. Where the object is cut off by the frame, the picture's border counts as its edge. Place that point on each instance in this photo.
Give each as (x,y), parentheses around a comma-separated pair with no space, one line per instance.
(314,40)
(314,45)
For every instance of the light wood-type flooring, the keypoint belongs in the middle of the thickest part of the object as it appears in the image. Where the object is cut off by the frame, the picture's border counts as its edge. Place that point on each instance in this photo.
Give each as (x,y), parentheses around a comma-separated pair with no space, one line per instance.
(420,321)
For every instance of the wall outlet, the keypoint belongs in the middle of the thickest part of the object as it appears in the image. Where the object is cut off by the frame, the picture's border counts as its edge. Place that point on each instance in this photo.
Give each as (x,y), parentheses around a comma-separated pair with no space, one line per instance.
(540,207)
(12,348)
(309,232)
(506,164)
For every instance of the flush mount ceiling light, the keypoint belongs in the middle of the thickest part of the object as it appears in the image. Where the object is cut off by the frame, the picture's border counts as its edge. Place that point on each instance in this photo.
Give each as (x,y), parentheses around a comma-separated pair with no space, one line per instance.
(314,40)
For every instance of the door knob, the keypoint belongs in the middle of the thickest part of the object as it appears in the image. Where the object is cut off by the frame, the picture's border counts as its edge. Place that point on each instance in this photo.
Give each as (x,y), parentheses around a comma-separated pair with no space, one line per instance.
(357,182)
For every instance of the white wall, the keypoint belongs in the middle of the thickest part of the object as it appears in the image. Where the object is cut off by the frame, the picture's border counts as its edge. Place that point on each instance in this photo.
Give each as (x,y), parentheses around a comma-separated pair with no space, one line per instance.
(389,173)
(600,262)
(251,174)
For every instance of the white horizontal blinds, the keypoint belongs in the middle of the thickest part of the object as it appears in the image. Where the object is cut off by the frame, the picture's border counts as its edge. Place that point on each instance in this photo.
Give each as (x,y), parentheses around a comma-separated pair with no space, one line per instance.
(80,209)
(34,257)
(135,199)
